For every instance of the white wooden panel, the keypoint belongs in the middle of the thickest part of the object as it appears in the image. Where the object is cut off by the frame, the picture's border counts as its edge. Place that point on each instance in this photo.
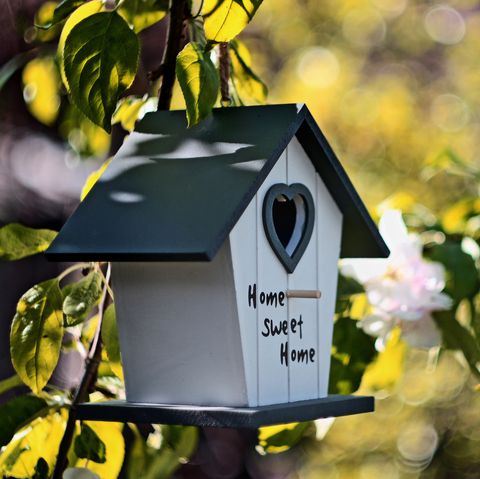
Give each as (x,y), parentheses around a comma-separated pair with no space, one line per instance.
(329,231)
(271,278)
(243,242)
(179,332)
(304,373)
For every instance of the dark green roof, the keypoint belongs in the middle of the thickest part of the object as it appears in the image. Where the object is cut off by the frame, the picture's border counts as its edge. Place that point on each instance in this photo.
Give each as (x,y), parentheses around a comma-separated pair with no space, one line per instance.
(173,193)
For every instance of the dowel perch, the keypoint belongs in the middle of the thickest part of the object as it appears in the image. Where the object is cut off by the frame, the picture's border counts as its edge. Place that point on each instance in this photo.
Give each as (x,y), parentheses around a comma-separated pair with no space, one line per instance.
(304,293)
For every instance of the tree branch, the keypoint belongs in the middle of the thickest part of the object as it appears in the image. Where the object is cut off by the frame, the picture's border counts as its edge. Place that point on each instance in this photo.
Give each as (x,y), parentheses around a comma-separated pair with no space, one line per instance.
(86,384)
(174,39)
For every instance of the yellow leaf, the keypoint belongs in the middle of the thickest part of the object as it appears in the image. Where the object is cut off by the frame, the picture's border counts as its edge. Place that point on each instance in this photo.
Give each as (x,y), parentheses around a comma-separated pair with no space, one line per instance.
(387,369)
(44,16)
(247,86)
(398,201)
(111,435)
(225,19)
(455,218)
(359,306)
(77,16)
(141,14)
(128,112)
(267,432)
(92,179)
(41,89)
(41,438)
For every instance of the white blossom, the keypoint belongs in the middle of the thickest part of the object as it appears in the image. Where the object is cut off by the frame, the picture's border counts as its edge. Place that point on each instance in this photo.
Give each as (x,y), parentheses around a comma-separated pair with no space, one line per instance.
(403,289)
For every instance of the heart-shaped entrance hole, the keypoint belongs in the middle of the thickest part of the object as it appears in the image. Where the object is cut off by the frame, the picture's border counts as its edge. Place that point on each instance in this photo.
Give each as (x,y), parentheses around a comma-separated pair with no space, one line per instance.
(289,220)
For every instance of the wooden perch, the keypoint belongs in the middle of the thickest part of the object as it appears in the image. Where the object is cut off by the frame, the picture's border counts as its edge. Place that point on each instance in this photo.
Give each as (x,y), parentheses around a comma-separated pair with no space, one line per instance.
(304,293)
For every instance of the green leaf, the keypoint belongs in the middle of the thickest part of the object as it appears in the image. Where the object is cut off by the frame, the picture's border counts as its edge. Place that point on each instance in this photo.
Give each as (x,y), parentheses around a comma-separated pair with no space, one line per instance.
(10,67)
(61,12)
(65,8)
(346,288)
(275,439)
(225,19)
(177,444)
(41,469)
(110,340)
(10,383)
(82,12)
(462,276)
(249,88)
(353,351)
(456,337)
(141,14)
(36,334)
(198,79)
(16,413)
(80,298)
(182,440)
(17,241)
(100,58)
(89,446)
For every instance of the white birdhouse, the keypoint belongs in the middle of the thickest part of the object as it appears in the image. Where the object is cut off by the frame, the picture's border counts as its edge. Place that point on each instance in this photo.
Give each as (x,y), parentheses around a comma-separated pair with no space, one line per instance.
(224,241)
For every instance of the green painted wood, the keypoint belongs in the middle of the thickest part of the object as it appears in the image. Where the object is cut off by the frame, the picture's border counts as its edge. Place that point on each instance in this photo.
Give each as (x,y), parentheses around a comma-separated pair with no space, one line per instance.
(174,194)
(230,417)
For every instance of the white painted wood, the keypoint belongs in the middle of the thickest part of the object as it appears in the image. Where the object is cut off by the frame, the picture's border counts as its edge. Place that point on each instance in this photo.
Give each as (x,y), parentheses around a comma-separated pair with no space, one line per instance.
(303,375)
(179,333)
(271,277)
(243,243)
(329,232)
(189,334)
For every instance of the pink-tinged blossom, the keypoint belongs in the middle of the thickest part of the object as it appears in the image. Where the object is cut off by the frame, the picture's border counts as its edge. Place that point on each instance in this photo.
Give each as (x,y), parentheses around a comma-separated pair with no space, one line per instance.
(403,289)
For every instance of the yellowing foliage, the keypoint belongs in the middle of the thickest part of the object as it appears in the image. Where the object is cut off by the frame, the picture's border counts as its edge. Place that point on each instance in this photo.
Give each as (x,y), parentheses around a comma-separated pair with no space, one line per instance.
(41,438)
(92,179)
(128,112)
(225,19)
(111,435)
(387,369)
(41,89)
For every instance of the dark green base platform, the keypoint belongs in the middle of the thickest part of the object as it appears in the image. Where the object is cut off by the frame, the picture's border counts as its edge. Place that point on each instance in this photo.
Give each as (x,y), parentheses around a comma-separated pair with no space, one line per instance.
(230,417)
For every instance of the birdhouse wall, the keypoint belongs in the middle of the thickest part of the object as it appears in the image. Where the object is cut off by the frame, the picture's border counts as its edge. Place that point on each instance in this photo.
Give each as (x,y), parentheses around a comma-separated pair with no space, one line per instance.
(179,332)
(271,374)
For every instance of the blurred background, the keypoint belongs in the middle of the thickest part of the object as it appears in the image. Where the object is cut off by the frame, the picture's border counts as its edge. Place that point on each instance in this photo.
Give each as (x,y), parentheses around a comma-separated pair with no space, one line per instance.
(395,86)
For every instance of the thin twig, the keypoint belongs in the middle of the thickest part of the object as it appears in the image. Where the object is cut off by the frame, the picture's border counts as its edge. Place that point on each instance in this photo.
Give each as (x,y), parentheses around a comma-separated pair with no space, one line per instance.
(91,367)
(172,48)
(155,74)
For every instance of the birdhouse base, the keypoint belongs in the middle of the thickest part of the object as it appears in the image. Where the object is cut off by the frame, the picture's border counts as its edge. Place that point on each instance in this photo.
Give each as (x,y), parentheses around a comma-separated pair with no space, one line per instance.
(228,417)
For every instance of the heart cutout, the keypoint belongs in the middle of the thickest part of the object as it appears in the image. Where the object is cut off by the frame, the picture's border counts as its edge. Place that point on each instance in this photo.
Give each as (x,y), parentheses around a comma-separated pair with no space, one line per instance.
(288,219)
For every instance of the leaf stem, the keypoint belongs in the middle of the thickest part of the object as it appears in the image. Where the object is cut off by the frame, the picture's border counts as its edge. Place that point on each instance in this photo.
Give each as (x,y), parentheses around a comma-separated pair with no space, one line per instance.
(89,377)
(106,283)
(174,40)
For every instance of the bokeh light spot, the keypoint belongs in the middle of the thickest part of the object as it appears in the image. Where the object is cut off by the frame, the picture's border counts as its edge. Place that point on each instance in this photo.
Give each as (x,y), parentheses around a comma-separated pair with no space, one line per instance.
(416,444)
(449,112)
(318,67)
(445,25)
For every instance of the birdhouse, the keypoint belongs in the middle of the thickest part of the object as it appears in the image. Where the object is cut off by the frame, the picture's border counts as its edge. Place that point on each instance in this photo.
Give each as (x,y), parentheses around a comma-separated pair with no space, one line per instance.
(224,240)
